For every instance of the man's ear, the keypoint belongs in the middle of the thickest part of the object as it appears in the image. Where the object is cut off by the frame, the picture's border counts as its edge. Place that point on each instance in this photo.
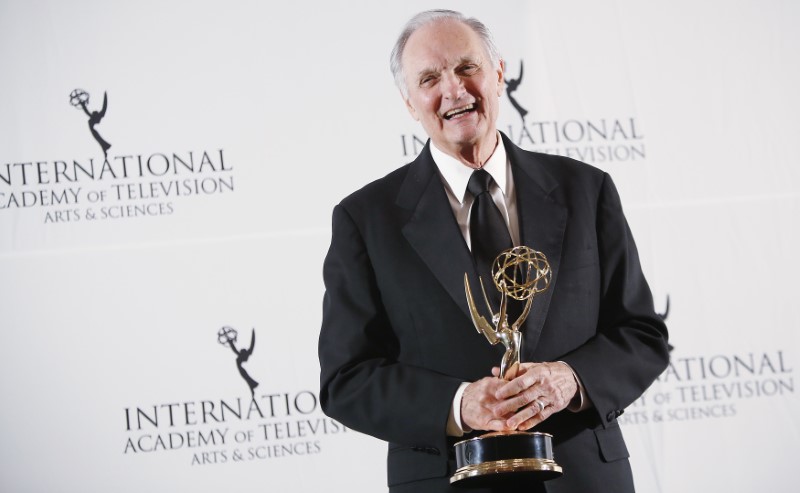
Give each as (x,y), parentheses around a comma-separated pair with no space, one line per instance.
(501,82)
(411,110)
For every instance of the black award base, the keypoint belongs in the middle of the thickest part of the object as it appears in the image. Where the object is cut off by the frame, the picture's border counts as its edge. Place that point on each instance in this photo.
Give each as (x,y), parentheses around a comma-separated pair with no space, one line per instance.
(501,458)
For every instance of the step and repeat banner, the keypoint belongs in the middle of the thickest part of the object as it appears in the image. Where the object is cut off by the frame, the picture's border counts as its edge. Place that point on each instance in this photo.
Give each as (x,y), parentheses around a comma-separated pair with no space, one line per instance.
(167,175)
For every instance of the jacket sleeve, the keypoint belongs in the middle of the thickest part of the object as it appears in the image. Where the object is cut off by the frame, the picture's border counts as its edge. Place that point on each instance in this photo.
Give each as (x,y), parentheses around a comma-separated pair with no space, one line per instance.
(630,347)
(364,382)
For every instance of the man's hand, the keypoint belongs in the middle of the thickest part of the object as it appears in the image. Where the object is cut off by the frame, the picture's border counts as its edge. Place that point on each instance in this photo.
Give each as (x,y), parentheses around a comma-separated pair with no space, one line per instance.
(479,406)
(539,391)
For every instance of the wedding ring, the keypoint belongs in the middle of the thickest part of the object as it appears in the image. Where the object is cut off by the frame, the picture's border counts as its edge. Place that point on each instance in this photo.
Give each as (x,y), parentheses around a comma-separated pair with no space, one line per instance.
(539,404)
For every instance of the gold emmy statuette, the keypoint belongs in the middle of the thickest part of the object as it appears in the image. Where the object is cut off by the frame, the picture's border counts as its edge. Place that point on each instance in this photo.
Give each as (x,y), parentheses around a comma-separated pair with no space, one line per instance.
(519,273)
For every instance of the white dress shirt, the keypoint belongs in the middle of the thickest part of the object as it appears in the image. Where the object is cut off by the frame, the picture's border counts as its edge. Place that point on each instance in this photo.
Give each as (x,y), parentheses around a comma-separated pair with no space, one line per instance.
(455,177)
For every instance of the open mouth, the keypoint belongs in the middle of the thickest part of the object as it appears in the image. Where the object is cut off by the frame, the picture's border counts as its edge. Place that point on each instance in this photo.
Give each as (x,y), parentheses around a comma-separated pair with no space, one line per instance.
(455,113)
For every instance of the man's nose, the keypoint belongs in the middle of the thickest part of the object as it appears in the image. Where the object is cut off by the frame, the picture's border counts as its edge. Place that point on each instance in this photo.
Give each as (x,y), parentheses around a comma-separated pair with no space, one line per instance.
(452,87)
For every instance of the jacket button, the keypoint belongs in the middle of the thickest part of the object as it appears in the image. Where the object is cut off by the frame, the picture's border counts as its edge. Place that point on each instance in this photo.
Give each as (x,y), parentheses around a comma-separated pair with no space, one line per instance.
(610,416)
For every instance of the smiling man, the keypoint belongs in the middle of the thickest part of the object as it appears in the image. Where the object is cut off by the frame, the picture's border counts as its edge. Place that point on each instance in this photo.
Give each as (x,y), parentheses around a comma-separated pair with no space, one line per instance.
(452,86)
(400,358)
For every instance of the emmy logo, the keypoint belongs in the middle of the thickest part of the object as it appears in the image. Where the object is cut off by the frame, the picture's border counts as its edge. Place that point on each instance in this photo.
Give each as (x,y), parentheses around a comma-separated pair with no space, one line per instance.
(80,98)
(227,337)
(519,273)
(511,86)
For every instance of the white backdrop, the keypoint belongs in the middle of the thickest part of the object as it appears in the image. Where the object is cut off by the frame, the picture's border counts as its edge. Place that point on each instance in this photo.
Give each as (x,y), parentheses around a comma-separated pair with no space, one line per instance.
(233,127)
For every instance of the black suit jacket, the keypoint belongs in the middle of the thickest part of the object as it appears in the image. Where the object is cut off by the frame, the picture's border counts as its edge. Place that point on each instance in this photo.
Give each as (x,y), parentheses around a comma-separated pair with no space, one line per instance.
(397,339)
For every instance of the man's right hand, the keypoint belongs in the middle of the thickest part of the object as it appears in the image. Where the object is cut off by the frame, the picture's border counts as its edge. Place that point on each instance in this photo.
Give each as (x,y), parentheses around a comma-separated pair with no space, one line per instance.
(479,406)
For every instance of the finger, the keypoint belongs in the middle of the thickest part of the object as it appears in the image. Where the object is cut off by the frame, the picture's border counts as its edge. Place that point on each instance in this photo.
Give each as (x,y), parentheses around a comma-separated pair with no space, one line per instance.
(536,419)
(527,425)
(530,423)
(523,415)
(525,367)
(517,385)
(498,425)
(518,401)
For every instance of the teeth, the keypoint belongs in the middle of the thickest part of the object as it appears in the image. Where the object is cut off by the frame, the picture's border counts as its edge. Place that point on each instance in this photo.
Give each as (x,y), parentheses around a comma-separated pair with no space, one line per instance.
(458,111)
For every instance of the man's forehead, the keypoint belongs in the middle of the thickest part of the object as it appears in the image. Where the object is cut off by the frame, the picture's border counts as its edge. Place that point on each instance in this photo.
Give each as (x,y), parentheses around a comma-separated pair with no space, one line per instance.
(442,44)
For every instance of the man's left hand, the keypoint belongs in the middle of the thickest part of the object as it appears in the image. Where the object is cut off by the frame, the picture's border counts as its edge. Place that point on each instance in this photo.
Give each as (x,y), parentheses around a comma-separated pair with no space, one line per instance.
(538,391)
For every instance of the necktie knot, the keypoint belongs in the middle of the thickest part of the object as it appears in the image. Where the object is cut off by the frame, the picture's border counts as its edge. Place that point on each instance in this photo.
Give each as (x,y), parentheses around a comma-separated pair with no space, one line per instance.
(479,182)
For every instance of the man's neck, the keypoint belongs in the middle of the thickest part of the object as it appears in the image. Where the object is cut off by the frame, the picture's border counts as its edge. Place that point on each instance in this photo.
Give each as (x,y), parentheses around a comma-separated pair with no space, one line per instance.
(476,155)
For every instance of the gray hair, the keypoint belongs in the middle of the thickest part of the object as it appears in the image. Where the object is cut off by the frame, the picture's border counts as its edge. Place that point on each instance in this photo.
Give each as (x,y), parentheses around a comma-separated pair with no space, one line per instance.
(428,17)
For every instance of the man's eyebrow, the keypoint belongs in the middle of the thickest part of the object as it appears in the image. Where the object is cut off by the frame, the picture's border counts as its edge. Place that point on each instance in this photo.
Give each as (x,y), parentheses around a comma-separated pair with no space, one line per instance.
(427,74)
(428,71)
(468,59)
(461,61)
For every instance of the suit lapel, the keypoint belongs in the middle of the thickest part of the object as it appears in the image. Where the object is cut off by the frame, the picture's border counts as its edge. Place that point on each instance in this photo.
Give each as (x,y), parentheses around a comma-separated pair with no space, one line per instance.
(432,230)
(542,225)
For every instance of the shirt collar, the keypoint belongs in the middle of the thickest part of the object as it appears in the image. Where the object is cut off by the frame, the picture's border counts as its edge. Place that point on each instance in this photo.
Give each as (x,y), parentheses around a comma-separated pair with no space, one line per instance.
(456,175)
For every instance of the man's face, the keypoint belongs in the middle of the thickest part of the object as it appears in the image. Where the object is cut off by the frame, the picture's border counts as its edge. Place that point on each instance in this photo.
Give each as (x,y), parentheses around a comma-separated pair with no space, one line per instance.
(453,88)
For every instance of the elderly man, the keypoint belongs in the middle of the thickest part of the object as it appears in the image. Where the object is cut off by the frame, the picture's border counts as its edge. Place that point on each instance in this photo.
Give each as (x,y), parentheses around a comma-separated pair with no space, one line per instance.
(400,358)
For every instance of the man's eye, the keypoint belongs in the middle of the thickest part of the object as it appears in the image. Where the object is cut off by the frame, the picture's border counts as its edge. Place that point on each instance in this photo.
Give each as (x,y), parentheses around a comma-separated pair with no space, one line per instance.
(427,81)
(468,69)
